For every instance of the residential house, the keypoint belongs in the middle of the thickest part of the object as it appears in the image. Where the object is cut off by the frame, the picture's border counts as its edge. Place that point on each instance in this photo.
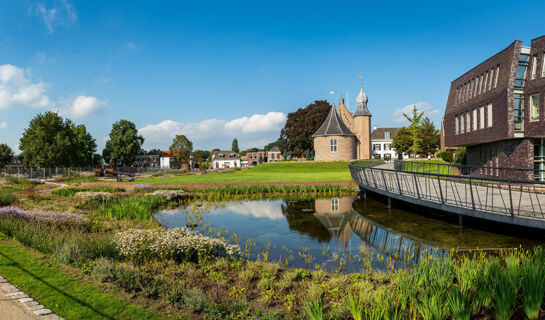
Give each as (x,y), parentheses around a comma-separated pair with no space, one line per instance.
(225,159)
(256,158)
(274,155)
(381,143)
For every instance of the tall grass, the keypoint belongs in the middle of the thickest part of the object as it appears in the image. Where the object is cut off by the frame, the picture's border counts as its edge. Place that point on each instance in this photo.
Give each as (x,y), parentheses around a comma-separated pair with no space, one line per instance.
(504,284)
(533,283)
(272,189)
(71,191)
(7,197)
(139,208)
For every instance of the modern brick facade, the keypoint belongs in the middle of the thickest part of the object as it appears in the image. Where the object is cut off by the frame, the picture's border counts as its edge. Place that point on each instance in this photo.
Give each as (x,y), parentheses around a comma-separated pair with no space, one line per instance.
(496,109)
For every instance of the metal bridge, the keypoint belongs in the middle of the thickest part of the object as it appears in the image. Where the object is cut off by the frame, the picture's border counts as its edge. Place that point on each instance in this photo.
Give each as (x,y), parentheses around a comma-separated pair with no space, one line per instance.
(503,195)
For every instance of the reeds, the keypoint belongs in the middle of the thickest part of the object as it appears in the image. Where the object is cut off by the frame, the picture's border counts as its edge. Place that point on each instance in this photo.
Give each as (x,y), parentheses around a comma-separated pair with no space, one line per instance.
(272,189)
(139,208)
(533,283)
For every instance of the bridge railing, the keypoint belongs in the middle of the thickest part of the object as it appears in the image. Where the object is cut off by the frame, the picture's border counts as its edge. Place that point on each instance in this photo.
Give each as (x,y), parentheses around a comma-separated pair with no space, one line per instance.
(513,197)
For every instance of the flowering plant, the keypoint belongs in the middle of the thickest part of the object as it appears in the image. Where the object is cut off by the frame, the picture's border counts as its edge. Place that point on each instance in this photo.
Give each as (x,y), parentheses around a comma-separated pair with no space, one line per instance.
(87,196)
(43,216)
(169,195)
(178,244)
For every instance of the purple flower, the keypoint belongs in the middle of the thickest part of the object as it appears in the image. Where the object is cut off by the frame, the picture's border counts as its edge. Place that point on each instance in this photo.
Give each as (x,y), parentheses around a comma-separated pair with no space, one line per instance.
(43,216)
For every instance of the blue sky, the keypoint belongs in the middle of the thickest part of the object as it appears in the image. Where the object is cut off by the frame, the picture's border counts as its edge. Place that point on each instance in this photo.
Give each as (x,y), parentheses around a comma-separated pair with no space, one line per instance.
(225,69)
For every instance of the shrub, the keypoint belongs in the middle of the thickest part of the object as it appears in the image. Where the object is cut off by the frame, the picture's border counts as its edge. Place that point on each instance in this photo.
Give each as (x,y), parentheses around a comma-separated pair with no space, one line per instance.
(446,156)
(178,244)
(7,197)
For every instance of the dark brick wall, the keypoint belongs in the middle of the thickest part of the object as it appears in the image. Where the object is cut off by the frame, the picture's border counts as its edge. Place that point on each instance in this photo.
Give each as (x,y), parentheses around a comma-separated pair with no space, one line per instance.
(501,98)
(512,153)
(535,128)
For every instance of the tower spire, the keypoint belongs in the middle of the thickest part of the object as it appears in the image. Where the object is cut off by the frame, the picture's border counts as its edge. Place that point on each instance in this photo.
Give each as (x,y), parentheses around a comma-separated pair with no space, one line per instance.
(362,102)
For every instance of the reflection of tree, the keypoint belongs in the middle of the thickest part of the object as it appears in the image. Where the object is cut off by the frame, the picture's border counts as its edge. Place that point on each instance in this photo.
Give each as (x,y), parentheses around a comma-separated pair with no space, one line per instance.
(300,217)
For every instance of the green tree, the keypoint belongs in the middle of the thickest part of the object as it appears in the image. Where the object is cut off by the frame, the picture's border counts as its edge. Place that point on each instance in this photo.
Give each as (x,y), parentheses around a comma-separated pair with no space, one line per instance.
(107,152)
(181,147)
(234,146)
(403,141)
(125,141)
(216,149)
(460,155)
(203,154)
(429,138)
(156,152)
(83,147)
(296,136)
(271,145)
(415,121)
(47,142)
(6,154)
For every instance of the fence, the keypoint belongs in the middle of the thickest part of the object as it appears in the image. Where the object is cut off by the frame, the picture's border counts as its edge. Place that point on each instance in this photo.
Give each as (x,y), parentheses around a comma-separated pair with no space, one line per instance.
(456,187)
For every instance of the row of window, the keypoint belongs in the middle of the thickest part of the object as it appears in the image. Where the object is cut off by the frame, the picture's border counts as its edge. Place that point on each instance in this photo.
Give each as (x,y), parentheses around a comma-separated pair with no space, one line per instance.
(484,82)
(377,146)
(535,72)
(473,120)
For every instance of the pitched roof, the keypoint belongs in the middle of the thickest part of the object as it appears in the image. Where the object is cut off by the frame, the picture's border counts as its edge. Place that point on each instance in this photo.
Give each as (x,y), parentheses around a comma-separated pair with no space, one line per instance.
(378,133)
(333,126)
(275,149)
(362,104)
(226,155)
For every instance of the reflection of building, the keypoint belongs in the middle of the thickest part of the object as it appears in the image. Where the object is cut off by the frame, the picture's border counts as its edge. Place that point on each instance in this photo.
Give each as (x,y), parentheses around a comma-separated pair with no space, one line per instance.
(343,136)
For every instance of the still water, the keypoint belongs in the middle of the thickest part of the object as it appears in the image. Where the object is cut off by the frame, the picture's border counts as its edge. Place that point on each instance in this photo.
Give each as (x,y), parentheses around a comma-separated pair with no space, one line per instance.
(337,232)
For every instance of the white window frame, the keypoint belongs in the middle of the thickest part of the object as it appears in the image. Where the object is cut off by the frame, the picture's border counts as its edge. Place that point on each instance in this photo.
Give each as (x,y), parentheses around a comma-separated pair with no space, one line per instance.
(456,126)
(475,119)
(333,145)
(481,120)
(543,64)
(496,78)
(485,87)
(534,112)
(468,121)
(489,114)
(462,123)
(534,66)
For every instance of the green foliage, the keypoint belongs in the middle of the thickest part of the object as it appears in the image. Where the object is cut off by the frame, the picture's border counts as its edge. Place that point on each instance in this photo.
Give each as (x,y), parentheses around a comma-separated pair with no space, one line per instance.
(272,189)
(314,308)
(460,155)
(504,284)
(51,141)
(296,136)
(181,147)
(429,139)
(414,128)
(234,146)
(355,305)
(446,156)
(403,141)
(7,197)
(5,154)
(203,154)
(71,191)
(125,142)
(139,208)
(533,283)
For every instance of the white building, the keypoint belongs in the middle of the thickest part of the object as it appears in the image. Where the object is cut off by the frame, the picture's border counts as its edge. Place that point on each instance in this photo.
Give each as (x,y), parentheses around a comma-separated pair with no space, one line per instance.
(381,143)
(225,159)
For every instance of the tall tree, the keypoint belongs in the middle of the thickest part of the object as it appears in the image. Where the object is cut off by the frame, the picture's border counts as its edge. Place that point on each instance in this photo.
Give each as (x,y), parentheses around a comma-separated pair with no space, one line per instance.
(6,154)
(234,146)
(203,154)
(415,120)
(47,142)
(181,147)
(125,141)
(156,152)
(107,152)
(83,147)
(296,136)
(429,138)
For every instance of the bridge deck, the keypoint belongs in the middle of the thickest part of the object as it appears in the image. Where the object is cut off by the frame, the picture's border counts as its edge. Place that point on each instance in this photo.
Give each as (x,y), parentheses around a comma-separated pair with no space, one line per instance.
(520,204)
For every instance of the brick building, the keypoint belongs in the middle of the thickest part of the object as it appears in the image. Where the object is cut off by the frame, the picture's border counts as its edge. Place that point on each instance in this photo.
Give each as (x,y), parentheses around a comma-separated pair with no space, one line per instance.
(344,136)
(496,110)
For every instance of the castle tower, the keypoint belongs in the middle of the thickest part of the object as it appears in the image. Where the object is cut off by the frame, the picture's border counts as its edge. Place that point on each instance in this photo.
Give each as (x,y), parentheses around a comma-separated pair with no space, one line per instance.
(345,115)
(362,127)
(334,141)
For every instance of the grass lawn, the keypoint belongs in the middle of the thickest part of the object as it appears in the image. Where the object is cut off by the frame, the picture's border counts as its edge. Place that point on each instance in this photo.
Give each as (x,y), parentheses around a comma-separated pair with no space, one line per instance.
(428,166)
(269,172)
(59,291)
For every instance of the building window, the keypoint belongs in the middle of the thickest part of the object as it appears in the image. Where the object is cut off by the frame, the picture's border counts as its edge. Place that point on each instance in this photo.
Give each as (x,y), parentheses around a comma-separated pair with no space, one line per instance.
(333,145)
(475,119)
(539,159)
(534,66)
(387,157)
(456,125)
(543,65)
(387,147)
(481,117)
(489,114)
(376,147)
(534,107)
(335,204)
(387,135)
(462,122)
(519,112)
(496,76)
(468,121)
(485,85)
(521,71)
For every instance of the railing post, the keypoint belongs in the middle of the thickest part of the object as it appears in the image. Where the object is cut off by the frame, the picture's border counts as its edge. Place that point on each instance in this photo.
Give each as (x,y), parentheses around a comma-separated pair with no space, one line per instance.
(398,184)
(374,180)
(365,175)
(511,199)
(440,190)
(416,186)
(384,180)
(471,191)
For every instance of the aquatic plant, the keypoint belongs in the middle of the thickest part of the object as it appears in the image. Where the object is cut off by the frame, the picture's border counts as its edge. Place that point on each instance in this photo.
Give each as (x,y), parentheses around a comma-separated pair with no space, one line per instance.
(459,303)
(169,195)
(72,191)
(533,280)
(178,244)
(314,303)
(43,216)
(355,305)
(140,208)
(504,286)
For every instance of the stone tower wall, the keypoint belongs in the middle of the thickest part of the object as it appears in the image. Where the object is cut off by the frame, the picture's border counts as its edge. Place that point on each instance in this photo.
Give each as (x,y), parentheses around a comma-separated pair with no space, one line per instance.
(346,146)
(362,129)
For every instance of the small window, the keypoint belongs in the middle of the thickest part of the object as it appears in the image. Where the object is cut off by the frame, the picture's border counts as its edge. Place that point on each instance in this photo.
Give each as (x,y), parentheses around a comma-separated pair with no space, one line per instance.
(543,65)
(462,124)
(534,107)
(335,204)
(387,147)
(485,84)
(475,119)
(376,147)
(468,123)
(489,111)
(456,126)
(333,145)
(534,66)
(481,116)
(496,76)
(386,134)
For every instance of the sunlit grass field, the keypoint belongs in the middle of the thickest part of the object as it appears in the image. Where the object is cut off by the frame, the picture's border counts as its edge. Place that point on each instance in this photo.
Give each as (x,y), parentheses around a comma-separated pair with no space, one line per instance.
(269,172)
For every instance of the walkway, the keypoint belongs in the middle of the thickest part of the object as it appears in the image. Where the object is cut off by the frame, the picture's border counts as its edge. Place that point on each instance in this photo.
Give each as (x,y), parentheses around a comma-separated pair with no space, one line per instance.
(484,198)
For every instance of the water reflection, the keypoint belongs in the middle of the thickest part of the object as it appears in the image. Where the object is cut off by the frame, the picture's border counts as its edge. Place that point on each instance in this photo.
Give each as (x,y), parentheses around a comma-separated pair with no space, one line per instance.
(339,227)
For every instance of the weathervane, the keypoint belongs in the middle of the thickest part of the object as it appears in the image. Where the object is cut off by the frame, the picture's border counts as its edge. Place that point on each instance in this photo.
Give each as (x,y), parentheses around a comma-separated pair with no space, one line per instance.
(361,78)
(332,97)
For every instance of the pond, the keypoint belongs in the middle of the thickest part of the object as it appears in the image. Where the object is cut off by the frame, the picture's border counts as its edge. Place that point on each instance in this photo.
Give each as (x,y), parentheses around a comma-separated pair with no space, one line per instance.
(348,233)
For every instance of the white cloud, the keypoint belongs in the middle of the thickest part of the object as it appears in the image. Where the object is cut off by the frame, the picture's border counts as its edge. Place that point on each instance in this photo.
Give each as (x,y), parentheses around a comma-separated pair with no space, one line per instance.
(60,13)
(257,209)
(83,106)
(42,58)
(429,111)
(3,125)
(17,87)
(254,131)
